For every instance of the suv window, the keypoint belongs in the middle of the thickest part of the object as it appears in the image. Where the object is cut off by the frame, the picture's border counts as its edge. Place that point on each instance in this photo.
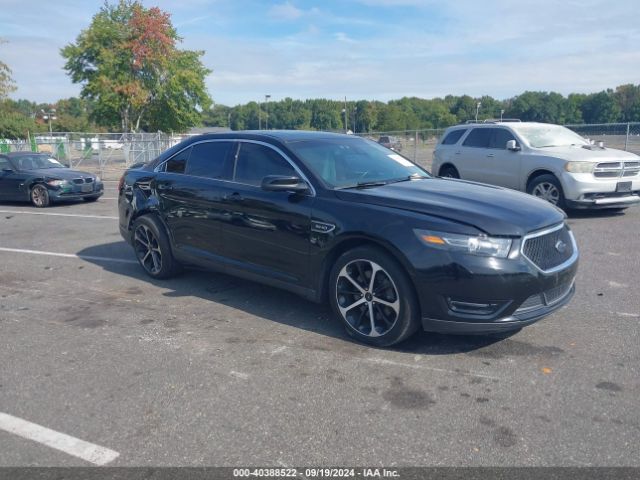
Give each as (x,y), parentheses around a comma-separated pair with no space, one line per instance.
(257,161)
(207,159)
(500,138)
(479,138)
(453,137)
(178,162)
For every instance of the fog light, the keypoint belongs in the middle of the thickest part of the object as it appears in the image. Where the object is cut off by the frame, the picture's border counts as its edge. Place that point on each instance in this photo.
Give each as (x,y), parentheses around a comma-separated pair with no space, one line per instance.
(472,308)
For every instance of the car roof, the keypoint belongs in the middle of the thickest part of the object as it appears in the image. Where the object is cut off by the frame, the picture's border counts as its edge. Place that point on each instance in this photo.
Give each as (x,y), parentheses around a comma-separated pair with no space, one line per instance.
(284,136)
(514,125)
(23,154)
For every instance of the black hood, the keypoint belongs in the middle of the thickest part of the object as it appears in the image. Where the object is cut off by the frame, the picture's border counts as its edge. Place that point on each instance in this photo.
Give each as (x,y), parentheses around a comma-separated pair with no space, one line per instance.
(493,210)
(61,173)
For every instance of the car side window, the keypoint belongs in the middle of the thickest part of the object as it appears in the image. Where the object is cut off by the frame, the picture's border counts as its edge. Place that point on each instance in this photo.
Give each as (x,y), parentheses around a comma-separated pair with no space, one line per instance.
(478,138)
(257,161)
(4,164)
(208,159)
(178,162)
(453,137)
(500,138)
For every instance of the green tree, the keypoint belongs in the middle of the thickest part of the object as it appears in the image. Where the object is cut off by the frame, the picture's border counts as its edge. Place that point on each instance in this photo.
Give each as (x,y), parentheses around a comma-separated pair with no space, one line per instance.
(129,65)
(6,81)
(601,108)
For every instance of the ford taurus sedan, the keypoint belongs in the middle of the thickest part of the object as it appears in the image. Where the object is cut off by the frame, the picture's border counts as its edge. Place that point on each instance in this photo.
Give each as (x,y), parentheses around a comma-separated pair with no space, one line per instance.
(42,180)
(343,220)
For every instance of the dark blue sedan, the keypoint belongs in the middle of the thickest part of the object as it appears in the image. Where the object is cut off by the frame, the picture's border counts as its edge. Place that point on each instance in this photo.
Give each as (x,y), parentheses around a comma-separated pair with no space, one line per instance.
(40,179)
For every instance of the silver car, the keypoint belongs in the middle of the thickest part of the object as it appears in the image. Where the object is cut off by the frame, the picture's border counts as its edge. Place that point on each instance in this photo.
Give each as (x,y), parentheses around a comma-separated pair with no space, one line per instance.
(545,160)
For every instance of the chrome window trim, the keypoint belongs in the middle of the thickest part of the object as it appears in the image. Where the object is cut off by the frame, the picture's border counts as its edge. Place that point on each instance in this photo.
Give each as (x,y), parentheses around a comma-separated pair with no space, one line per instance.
(540,233)
(239,141)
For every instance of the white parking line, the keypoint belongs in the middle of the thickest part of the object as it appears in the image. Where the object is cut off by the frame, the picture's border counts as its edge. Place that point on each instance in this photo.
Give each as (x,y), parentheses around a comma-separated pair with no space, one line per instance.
(23,212)
(60,441)
(67,255)
(384,361)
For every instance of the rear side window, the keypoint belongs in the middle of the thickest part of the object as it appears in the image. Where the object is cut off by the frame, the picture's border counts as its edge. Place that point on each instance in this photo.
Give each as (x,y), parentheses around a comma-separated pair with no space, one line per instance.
(178,162)
(453,137)
(4,164)
(257,161)
(479,138)
(208,159)
(500,138)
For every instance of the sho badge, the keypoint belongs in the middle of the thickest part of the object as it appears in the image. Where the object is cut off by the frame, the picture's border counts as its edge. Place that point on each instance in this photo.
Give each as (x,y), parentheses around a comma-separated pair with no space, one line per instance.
(321,227)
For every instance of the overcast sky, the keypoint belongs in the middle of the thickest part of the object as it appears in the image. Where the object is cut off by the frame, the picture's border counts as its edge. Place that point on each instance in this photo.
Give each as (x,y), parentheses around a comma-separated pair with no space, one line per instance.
(362,49)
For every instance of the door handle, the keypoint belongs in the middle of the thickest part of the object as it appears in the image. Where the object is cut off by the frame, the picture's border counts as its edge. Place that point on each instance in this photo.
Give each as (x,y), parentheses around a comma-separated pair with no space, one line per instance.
(491,155)
(165,187)
(234,197)
(458,152)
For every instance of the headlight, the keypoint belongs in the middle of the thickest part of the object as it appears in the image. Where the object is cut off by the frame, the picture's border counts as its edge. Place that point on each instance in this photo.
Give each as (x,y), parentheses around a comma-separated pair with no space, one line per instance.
(58,183)
(579,167)
(97,180)
(481,245)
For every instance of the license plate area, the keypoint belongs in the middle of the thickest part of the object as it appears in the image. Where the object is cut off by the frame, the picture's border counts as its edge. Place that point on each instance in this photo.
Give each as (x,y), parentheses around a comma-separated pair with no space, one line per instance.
(623,187)
(86,188)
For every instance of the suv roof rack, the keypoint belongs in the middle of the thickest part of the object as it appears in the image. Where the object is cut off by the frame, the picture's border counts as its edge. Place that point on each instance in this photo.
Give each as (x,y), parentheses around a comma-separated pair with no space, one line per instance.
(503,120)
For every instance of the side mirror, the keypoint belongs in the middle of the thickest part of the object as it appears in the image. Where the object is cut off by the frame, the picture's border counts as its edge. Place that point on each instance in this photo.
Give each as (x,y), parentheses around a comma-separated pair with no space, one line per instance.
(284,183)
(513,146)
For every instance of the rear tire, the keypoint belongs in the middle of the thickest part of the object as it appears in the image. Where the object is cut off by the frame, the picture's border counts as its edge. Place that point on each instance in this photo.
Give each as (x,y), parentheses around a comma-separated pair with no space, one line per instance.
(366,282)
(449,171)
(547,187)
(152,248)
(40,196)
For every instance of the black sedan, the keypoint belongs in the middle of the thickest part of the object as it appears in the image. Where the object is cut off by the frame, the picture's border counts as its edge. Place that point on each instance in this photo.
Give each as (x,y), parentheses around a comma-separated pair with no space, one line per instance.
(342,219)
(41,179)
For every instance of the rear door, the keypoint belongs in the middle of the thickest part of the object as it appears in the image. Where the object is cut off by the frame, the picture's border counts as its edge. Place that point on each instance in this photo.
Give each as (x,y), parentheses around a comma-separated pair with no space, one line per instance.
(189,189)
(266,233)
(471,161)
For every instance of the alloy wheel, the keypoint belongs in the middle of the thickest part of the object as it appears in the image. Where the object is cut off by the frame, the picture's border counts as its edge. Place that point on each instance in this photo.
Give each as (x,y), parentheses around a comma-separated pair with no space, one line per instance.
(39,196)
(547,191)
(367,298)
(148,249)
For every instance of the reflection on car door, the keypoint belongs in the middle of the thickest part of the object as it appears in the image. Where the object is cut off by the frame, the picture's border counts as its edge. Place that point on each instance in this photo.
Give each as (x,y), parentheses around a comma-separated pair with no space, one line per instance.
(266,233)
(189,189)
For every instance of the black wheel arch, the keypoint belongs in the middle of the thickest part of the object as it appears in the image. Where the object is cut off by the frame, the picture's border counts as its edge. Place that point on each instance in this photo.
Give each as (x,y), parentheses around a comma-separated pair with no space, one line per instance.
(349,242)
(445,166)
(538,173)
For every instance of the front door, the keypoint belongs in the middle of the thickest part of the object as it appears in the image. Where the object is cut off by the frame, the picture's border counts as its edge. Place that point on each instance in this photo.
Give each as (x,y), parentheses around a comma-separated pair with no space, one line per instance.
(266,233)
(11,181)
(502,166)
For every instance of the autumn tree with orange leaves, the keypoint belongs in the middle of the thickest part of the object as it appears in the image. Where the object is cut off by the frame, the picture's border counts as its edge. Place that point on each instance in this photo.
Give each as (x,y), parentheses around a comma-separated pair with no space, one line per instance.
(129,64)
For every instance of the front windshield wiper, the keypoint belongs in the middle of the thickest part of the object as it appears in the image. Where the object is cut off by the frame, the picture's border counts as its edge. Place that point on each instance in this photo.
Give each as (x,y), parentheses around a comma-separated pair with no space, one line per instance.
(380,183)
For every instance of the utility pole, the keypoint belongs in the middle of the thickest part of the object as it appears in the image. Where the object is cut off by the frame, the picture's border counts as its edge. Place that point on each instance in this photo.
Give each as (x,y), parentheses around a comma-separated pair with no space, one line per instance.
(49,116)
(478,105)
(266,101)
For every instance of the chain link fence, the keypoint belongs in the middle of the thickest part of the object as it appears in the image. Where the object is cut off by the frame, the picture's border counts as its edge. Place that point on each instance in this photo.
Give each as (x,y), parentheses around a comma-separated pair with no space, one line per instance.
(109,154)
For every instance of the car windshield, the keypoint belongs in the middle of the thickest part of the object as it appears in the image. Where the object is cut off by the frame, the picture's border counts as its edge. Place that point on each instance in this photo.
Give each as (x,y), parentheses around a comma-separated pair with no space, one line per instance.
(354,162)
(541,136)
(36,162)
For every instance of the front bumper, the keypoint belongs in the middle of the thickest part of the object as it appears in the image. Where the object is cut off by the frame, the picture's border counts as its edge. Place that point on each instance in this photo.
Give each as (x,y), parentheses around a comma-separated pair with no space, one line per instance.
(583,190)
(469,294)
(75,192)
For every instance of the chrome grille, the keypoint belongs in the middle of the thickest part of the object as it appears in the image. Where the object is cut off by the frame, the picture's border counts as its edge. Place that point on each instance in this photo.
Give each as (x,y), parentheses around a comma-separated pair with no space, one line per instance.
(616,169)
(88,180)
(550,248)
(78,180)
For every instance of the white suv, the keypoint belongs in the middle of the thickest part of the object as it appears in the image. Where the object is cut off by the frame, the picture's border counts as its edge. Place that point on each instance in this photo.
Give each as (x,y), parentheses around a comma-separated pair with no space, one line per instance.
(545,160)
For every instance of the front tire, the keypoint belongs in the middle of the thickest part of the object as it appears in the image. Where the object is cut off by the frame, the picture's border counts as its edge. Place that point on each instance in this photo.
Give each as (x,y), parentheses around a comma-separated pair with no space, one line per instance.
(40,196)
(547,187)
(373,297)
(152,248)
